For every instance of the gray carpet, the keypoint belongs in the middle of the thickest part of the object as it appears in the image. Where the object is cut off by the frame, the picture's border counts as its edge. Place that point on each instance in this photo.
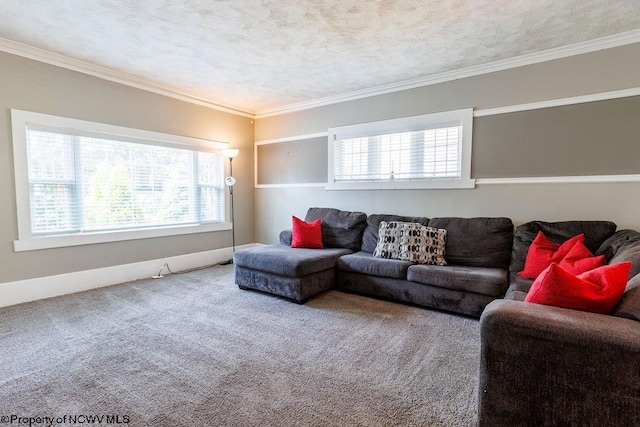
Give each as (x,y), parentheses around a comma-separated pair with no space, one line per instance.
(193,349)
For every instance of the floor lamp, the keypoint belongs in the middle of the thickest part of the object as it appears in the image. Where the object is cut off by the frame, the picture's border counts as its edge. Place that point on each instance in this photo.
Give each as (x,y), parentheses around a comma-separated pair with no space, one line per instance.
(230,180)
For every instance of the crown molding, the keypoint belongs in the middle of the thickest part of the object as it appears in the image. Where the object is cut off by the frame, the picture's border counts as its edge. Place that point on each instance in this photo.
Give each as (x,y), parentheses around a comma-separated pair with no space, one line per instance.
(115,76)
(51,58)
(608,42)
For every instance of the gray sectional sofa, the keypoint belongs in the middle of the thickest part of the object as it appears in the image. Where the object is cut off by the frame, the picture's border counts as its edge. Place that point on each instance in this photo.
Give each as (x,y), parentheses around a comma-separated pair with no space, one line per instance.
(552,366)
(540,365)
(477,253)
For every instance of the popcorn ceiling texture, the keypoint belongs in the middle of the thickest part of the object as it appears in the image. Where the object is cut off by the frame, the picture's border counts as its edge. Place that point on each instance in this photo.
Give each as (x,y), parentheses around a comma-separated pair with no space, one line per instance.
(256,55)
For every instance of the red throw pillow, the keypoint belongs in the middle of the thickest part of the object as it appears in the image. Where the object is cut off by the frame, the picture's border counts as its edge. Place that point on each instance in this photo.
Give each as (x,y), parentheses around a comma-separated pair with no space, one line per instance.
(597,290)
(306,234)
(580,259)
(542,253)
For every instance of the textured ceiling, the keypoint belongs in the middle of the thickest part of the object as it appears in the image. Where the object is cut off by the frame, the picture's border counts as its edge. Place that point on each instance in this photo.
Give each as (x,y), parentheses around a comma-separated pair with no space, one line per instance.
(256,55)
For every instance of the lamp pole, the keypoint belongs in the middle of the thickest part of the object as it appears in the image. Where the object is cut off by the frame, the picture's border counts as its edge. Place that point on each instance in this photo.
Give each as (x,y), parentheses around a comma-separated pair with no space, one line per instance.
(233,219)
(230,180)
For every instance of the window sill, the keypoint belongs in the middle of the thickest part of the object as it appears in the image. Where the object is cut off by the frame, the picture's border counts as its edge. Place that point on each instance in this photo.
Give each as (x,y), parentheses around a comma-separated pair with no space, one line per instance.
(33,244)
(440,184)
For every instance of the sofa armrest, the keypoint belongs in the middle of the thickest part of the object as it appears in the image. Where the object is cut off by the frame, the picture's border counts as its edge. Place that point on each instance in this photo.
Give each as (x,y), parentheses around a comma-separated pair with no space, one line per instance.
(543,366)
(285,237)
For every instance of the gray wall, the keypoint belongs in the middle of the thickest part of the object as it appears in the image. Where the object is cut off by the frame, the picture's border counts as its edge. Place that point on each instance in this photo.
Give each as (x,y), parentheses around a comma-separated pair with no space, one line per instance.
(34,86)
(507,145)
(594,138)
(292,162)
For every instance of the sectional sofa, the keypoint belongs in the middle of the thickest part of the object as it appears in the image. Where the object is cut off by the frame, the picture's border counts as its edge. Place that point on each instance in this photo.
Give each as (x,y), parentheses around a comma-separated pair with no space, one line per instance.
(552,366)
(540,365)
(478,251)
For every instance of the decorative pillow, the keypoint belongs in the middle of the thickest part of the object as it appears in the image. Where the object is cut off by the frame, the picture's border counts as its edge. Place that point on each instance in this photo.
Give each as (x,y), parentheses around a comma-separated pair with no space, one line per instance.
(306,234)
(580,259)
(370,235)
(597,290)
(542,253)
(411,242)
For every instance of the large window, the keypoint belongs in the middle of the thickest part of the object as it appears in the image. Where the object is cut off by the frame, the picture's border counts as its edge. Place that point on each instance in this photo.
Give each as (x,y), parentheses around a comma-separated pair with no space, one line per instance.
(81,182)
(430,151)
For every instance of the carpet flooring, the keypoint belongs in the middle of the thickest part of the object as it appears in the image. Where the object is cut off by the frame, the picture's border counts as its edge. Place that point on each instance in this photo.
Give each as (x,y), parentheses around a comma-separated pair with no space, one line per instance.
(193,349)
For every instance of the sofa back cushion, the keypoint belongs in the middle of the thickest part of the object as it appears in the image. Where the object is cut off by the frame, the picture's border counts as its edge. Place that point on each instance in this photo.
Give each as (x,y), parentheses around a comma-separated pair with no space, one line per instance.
(477,242)
(340,229)
(629,305)
(623,245)
(370,235)
(595,233)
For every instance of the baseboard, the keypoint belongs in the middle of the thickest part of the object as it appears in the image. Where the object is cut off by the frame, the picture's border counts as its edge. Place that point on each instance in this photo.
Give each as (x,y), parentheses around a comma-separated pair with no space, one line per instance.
(12,293)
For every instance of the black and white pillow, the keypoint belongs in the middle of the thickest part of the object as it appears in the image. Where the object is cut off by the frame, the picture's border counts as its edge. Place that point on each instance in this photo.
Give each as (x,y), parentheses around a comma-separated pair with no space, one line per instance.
(412,242)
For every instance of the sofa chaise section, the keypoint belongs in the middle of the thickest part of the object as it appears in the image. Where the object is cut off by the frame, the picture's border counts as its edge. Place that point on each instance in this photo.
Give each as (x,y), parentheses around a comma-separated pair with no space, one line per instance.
(293,273)
(300,273)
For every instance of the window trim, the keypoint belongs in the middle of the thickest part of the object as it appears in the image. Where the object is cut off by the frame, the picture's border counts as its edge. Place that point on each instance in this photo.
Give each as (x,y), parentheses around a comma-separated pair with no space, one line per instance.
(27,242)
(463,117)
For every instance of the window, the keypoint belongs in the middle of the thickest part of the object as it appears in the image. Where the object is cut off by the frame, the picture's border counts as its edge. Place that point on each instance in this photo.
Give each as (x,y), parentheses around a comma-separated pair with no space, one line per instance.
(80,182)
(429,151)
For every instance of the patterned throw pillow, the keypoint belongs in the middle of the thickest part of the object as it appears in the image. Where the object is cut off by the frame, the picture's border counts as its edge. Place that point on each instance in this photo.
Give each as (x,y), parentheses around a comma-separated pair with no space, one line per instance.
(409,241)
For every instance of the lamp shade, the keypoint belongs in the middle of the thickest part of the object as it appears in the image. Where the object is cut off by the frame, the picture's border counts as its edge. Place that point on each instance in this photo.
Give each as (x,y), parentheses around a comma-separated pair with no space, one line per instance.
(230,153)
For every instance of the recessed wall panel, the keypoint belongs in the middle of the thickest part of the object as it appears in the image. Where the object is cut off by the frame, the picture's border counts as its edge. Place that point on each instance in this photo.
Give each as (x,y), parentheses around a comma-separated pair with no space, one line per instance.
(302,161)
(594,138)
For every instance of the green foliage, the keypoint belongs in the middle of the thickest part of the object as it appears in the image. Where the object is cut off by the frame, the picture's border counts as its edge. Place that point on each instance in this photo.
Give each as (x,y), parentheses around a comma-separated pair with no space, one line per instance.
(110,202)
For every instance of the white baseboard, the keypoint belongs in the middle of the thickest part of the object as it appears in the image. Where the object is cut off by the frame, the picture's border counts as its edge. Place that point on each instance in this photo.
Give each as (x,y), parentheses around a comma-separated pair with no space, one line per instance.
(12,293)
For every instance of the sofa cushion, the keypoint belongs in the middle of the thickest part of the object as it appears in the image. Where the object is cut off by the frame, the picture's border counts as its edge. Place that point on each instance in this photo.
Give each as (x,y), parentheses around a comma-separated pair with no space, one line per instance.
(514,294)
(286,261)
(340,229)
(480,280)
(370,235)
(477,242)
(365,263)
(595,232)
(623,245)
(629,305)
(596,291)
(410,241)
(518,287)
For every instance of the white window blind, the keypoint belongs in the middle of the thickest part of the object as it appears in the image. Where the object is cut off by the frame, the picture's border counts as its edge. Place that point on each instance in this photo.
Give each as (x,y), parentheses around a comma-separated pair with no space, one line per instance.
(433,153)
(80,182)
(402,153)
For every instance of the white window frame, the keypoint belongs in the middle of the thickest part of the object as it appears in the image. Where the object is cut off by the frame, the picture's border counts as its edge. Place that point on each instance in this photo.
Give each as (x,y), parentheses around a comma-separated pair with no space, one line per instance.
(26,241)
(462,118)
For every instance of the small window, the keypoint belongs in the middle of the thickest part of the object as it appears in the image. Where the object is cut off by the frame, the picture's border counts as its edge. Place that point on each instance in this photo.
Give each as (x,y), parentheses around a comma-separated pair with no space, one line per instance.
(429,151)
(79,182)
